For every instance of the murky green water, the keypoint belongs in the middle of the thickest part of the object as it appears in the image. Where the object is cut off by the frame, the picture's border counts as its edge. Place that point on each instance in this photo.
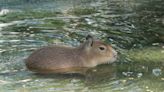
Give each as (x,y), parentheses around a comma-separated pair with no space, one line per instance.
(134,27)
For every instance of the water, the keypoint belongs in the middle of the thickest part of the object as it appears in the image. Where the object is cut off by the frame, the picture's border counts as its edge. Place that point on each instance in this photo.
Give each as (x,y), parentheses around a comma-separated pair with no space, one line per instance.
(133,27)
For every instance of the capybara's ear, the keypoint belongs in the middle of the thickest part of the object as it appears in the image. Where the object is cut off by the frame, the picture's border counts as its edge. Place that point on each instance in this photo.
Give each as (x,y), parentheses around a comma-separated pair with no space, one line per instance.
(89,41)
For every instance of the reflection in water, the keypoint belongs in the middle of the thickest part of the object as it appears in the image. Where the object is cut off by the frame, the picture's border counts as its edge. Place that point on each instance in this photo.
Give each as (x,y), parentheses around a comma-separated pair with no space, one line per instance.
(134,28)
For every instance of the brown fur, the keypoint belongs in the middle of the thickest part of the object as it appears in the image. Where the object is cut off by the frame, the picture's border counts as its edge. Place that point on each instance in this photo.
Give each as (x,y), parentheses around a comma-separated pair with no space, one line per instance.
(61,59)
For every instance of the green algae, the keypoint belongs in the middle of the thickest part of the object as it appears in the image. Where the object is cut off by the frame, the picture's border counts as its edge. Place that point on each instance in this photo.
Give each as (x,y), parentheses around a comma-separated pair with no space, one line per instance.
(151,54)
(82,11)
(21,15)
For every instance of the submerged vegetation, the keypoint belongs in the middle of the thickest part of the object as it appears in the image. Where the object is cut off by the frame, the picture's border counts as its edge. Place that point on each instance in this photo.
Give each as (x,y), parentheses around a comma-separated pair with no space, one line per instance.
(82,11)
(53,23)
(21,15)
(150,54)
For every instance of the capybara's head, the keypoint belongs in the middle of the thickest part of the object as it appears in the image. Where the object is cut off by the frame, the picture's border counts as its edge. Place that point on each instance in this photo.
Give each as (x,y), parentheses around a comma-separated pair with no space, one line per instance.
(99,52)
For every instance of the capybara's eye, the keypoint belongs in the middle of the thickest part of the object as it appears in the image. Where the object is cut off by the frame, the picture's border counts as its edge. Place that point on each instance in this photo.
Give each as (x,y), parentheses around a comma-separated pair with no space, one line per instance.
(102,48)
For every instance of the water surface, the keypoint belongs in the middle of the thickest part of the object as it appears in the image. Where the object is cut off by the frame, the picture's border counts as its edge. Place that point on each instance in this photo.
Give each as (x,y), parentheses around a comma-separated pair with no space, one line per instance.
(133,27)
